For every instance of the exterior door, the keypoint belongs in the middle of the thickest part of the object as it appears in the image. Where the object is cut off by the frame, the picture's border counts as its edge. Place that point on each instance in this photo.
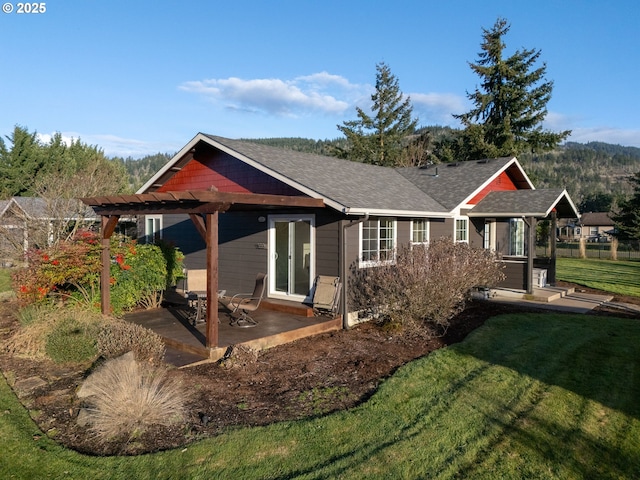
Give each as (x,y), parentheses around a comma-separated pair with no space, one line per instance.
(292,256)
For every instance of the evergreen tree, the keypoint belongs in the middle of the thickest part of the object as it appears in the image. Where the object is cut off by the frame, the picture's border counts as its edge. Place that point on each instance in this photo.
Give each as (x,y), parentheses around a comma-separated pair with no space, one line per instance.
(378,138)
(627,220)
(20,163)
(510,104)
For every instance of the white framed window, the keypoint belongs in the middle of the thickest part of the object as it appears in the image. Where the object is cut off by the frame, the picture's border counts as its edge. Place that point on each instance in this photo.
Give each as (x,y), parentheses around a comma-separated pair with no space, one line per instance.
(152,228)
(377,241)
(593,231)
(489,235)
(461,229)
(420,230)
(516,237)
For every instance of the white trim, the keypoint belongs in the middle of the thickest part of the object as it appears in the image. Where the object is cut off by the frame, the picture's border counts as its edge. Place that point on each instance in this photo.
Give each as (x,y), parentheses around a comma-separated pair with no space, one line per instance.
(272,219)
(513,161)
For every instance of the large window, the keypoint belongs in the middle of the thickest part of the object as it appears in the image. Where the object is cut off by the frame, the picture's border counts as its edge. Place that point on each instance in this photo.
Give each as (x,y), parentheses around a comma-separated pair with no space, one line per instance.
(378,241)
(153,228)
(420,231)
(462,230)
(516,237)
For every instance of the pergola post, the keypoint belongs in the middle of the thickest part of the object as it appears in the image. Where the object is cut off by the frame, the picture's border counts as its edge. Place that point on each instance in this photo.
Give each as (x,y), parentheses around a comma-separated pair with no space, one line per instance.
(107,227)
(212,280)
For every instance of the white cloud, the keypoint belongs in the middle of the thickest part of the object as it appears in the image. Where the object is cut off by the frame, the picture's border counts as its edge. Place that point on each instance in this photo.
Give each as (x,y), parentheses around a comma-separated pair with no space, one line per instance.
(617,136)
(317,93)
(437,108)
(67,139)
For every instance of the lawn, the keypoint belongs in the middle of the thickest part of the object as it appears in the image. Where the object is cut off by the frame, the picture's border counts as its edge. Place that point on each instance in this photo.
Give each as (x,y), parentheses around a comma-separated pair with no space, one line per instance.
(621,277)
(525,396)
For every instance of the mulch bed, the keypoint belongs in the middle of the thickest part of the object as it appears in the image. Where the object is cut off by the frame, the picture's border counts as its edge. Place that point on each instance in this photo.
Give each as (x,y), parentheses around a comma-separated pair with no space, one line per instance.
(312,376)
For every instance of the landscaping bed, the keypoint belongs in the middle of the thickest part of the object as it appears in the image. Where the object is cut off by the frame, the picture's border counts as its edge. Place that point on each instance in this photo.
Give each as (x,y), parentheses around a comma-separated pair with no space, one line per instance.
(312,376)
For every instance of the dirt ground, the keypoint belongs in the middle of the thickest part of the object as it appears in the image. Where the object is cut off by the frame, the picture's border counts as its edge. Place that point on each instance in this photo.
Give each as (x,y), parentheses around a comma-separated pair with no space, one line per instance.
(312,376)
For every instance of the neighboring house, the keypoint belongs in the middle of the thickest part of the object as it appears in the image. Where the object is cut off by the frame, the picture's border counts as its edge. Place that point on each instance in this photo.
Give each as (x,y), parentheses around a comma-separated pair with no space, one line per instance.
(368,212)
(27,222)
(594,227)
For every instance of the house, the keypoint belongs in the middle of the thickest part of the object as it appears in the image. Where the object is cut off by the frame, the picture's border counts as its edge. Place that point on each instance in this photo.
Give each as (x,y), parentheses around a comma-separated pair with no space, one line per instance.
(27,222)
(239,208)
(594,227)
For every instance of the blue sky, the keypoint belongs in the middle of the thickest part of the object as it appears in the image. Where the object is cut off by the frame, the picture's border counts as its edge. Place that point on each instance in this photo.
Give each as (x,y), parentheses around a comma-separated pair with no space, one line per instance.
(140,77)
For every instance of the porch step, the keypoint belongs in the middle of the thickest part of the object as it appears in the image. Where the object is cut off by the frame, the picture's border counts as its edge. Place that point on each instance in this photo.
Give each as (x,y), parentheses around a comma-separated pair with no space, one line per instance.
(549,294)
(284,306)
(540,294)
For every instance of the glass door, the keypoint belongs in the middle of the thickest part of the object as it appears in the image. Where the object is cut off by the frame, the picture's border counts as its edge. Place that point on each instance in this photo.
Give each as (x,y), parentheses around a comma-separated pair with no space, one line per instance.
(291,256)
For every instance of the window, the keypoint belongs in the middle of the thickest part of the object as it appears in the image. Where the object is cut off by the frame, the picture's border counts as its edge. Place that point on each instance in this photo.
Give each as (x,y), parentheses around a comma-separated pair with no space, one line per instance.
(419,231)
(462,230)
(489,236)
(378,241)
(153,228)
(593,231)
(516,237)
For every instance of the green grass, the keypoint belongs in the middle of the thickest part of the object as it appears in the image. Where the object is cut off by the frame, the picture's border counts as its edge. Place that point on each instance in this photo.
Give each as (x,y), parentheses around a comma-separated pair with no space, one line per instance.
(526,396)
(5,280)
(621,277)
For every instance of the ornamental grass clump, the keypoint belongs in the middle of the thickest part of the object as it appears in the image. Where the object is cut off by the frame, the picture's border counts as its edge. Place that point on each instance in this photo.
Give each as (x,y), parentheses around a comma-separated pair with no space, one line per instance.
(426,285)
(124,397)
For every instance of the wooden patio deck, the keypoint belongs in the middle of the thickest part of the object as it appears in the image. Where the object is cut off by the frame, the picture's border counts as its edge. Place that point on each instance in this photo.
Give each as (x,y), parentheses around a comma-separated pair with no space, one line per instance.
(278,323)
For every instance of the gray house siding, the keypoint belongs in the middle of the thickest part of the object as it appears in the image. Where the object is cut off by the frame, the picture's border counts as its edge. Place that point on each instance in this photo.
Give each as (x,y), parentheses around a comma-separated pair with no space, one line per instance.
(243,240)
(440,227)
(328,226)
(476,232)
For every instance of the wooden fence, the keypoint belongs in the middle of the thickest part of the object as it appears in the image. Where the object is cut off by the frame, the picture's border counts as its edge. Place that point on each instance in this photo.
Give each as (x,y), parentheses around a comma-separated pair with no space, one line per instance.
(593,250)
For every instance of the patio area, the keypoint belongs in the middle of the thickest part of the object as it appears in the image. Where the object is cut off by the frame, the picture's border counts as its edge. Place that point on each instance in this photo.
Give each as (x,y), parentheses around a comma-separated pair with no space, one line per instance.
(278,323)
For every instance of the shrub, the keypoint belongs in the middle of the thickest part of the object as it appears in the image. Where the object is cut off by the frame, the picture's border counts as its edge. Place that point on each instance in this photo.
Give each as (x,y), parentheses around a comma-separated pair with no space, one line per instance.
(426,285)
(60,333)
(118,337)
(71,270)
(72,341)
(124,397)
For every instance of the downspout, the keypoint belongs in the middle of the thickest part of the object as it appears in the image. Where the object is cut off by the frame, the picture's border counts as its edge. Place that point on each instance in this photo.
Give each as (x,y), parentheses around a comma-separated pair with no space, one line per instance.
(344,275)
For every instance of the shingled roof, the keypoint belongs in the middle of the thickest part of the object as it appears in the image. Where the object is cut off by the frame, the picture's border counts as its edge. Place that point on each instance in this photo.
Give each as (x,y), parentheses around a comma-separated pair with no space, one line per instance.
(358,188)
(527,203)
(453,184)
(351,186)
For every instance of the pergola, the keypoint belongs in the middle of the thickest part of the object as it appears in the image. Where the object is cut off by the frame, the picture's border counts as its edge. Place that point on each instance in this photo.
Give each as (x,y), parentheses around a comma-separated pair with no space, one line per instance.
(203,208)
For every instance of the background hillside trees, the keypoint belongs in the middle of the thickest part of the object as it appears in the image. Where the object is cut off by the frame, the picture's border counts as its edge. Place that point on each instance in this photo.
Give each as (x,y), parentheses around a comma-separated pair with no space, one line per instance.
(627,219)
(59,173)
(379,138)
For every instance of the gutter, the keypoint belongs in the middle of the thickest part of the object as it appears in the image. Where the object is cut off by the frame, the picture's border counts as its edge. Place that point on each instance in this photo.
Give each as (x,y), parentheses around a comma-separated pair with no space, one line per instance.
(344,273)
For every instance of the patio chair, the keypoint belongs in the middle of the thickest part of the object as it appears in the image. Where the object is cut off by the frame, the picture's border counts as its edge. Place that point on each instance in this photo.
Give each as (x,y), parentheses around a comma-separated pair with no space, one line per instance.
(327,295)
(245,303)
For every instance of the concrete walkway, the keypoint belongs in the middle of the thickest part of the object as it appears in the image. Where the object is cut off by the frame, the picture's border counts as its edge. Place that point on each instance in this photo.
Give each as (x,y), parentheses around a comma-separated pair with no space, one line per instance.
(560,299)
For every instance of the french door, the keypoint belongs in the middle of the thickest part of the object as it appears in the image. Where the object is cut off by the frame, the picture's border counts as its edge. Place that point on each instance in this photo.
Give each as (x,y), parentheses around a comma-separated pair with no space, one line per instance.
(291,256)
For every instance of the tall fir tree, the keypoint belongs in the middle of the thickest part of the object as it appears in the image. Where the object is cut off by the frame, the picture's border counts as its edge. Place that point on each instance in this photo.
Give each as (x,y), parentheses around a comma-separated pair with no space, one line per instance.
(510,104)
(379,138)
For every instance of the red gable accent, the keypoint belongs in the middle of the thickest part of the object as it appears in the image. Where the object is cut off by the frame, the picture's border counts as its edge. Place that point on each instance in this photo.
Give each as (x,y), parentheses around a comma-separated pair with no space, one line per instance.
(227,174)
(502,182)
